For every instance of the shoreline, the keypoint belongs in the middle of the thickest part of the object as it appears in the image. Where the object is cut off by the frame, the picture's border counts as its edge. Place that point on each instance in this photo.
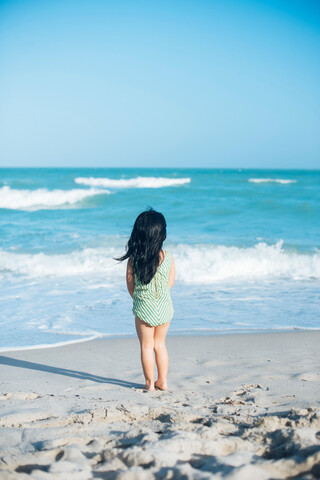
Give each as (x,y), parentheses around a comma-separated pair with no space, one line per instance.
(185,333)
(237,407)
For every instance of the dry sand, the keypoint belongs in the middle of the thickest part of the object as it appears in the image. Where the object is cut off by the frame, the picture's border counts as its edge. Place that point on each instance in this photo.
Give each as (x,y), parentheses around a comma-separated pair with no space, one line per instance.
(238,407)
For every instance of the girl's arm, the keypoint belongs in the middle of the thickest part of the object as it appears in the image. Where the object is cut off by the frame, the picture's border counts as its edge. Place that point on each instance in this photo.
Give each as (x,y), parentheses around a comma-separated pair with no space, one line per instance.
(172,274)
(130,278)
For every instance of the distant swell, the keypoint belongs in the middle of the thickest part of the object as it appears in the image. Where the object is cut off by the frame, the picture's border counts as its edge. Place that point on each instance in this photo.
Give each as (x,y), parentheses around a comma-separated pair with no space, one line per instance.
(195,264)
(42,198)
(271,180)
(138,182)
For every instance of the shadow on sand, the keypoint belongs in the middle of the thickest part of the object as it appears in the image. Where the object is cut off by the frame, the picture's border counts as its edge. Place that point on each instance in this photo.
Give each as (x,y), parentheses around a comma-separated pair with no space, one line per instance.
(12,362)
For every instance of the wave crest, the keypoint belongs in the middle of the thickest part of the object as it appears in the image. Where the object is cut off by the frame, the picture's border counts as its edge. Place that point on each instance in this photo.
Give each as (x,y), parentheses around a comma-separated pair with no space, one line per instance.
(138,182)
(42,198)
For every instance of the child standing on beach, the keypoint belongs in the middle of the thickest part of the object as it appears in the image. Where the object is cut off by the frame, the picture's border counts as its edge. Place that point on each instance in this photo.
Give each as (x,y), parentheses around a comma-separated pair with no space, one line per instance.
(150,276)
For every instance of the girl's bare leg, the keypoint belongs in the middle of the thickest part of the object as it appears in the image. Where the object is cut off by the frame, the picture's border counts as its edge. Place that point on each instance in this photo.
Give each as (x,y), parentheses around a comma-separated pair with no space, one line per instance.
(146,336)
(162,358)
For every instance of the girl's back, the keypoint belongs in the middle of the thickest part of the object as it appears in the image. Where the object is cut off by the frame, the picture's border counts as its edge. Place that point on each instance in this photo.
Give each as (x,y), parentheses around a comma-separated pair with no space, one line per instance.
(152,301)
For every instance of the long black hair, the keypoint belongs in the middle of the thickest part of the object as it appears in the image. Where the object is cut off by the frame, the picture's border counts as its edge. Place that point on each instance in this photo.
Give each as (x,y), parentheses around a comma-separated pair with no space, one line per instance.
(145,244)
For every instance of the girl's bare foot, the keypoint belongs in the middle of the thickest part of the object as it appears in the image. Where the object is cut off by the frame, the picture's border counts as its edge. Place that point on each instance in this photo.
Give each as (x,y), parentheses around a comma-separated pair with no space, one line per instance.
(161,385)
(149,386)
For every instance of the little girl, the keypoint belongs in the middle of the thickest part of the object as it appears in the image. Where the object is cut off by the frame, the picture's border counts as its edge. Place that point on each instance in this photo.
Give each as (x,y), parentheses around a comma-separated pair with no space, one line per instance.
(150,275)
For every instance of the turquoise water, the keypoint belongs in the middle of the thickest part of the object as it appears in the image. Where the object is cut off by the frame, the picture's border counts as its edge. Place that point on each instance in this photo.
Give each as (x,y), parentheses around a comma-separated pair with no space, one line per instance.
(245,242)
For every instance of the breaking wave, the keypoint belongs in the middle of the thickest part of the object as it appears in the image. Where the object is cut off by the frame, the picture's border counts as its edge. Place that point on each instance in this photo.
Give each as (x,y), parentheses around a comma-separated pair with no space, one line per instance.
(138,182)
(195,264)
(208,264)
(79,262)
(42,198)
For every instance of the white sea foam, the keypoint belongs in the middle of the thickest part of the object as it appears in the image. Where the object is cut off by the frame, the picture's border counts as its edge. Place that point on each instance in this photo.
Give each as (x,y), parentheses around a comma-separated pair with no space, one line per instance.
(195,264)
(138,182)
(42,198)
(205,264)
(271,180)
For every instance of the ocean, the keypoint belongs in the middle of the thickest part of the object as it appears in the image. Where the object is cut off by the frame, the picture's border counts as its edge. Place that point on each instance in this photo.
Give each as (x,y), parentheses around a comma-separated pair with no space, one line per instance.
(246,244)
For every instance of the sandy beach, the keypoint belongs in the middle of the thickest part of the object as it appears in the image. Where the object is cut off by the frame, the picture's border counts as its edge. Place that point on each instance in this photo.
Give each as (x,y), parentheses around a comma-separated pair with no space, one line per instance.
(238,407)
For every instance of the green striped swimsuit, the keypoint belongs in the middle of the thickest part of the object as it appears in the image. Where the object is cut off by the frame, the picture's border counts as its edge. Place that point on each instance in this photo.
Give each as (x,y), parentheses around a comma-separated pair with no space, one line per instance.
(152,302)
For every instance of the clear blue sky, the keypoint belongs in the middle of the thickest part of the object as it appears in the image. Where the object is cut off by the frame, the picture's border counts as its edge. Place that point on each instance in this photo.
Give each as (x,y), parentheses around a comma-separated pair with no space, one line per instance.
(160,83)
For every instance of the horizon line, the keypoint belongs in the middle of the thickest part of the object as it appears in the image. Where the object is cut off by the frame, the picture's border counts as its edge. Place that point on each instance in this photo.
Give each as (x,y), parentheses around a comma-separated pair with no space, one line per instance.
(159,168)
